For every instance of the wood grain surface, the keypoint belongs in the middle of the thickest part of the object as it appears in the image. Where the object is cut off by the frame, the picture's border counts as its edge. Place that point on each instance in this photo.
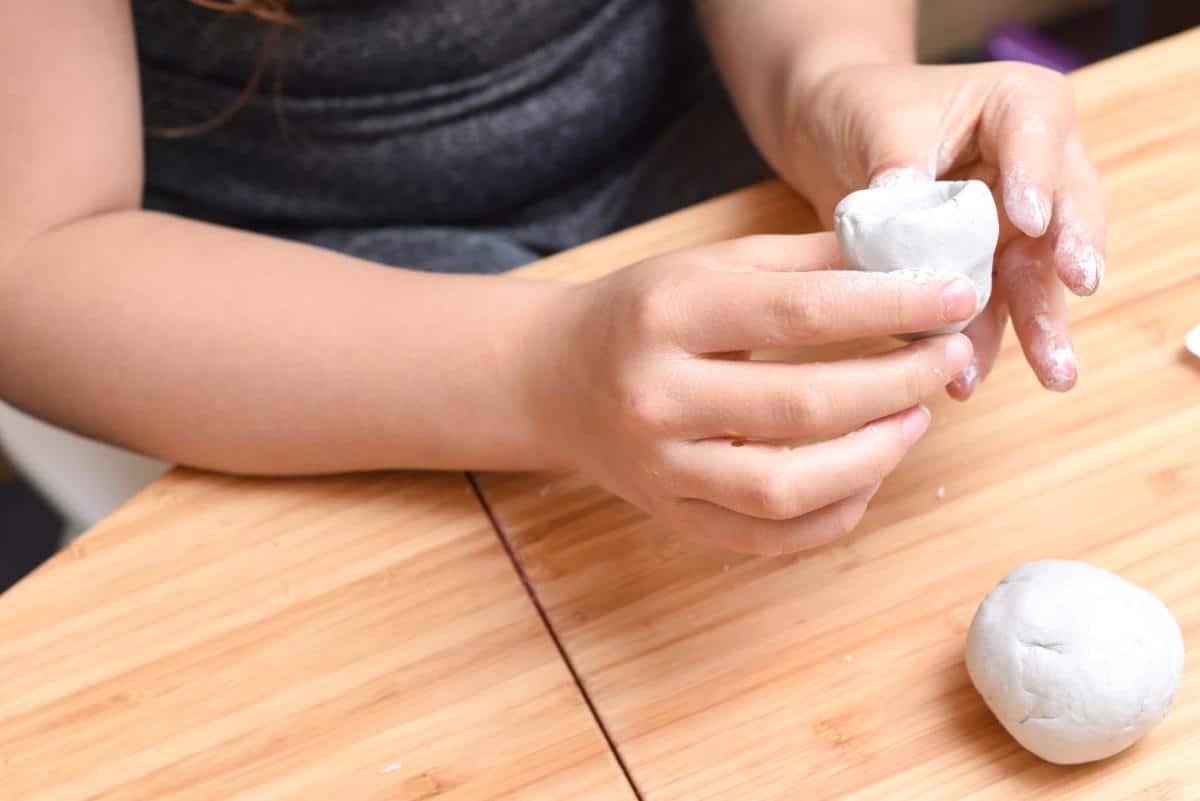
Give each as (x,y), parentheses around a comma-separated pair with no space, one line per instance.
(360,639)
(839,674)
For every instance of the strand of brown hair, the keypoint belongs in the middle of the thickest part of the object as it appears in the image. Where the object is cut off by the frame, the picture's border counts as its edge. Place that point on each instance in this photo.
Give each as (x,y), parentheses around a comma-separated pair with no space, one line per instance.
(273,12)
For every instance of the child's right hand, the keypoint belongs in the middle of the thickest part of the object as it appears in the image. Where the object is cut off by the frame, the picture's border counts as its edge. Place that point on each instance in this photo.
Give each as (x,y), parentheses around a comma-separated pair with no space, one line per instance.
(649,392)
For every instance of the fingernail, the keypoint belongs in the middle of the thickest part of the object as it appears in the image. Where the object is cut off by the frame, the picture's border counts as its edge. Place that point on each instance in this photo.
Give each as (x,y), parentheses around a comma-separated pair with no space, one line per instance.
(1054,355)
(1026,207)
(874,488)
(1091,268)
(1039,211)
(1062,369)
(959,354)
(958,300)
(1085,263)
(970,374)
(964,383)
(916,423)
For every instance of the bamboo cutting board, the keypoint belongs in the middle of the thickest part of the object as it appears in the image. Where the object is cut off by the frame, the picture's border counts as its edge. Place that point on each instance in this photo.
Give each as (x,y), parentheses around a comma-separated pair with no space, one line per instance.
(359,638)
(838,674)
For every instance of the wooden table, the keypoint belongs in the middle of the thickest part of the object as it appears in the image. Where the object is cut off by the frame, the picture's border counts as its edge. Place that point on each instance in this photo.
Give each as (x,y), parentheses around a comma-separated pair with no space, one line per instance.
(839,674)
(363,638)
(368,638)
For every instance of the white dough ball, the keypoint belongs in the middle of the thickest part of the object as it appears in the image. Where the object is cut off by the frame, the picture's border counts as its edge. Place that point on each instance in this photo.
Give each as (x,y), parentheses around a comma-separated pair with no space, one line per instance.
(1076,662)
(925,231)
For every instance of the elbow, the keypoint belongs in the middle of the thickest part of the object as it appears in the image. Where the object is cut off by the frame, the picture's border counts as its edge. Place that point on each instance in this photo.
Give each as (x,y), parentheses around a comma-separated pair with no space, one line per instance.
(23,231)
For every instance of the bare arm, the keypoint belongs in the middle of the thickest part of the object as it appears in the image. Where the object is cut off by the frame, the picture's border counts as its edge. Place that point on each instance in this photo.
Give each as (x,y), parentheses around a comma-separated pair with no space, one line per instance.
(769,50)
(215,347)
(832,98)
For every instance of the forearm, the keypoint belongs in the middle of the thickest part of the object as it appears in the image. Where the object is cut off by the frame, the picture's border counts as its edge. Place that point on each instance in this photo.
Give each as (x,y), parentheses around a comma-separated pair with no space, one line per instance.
(774,49)
(228,350)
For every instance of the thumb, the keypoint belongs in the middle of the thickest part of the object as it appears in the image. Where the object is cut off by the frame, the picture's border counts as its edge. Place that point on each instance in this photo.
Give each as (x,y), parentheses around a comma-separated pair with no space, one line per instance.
(899,153)
(896,170)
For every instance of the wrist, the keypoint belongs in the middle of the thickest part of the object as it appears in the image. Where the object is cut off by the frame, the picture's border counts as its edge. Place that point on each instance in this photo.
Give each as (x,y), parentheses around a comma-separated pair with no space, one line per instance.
(815,67)
(540,374)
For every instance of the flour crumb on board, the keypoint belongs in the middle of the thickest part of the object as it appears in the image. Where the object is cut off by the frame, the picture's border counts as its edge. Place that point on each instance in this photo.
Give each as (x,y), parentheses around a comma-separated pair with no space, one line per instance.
(941,493)
(544,491)
(1193,341)
(724,568)
(848,657)
(392,768)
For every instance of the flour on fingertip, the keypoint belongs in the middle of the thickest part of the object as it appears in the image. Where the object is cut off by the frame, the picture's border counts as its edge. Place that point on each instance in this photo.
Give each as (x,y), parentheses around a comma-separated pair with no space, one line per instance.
(1063,369)
(1083,260)
(1036,207)
(897,176)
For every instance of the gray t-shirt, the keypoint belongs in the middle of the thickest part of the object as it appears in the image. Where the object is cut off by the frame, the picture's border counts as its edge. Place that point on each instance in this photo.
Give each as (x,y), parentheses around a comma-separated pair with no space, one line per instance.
(445,134)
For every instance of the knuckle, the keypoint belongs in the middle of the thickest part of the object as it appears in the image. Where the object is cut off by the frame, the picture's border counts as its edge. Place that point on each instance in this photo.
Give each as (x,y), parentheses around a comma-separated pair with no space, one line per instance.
(776,496)
(644,400)
(906,305)
(906,309)
(914,381)
(647,409)
(1023,76)
(1038,73)
(801,314)
(806,409)
(1032,81)
(656,307)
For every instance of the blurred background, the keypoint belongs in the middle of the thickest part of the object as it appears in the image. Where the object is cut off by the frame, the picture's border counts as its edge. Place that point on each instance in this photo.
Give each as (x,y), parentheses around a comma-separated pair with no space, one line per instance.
(1060,34)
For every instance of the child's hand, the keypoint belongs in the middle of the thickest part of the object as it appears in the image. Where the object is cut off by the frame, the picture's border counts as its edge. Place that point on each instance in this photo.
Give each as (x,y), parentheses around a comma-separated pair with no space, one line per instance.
(650,393)
(1011,125)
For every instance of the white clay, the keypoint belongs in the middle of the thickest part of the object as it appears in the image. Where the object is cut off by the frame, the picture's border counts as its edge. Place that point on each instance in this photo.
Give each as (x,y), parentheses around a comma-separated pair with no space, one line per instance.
(1076,663)
(934,228)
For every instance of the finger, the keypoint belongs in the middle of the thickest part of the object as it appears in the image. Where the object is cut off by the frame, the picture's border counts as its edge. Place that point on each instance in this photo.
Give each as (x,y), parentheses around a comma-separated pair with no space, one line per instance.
(898,172)
(770,537)
(1024,128)
(776,482)
(986,333)
(723,311)
(1039,312)
(1079,223)
(773,253)
(901,154)
(777,401)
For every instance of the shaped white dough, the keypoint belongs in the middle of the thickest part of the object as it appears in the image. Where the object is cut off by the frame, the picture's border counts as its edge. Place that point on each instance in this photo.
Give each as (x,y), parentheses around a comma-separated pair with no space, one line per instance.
(1074,661)
(924,229)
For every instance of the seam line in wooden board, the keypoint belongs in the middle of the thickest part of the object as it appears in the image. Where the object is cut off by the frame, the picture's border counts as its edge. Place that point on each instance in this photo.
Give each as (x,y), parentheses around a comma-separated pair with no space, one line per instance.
(280,638)
(725,677)
(562,651)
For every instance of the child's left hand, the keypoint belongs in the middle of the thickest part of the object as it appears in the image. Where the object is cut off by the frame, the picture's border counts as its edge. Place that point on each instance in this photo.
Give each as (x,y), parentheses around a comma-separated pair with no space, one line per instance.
(1011,125)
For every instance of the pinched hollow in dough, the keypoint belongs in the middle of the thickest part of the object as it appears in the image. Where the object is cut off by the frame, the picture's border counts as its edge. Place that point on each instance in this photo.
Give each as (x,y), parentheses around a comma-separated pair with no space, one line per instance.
(932,230)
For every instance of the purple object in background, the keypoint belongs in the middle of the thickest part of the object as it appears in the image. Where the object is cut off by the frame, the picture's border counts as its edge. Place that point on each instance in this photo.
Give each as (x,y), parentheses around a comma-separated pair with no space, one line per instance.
(1014,42)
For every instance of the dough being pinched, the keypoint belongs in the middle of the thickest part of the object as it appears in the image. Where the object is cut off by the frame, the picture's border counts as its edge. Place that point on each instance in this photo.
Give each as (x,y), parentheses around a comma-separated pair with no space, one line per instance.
(925,230)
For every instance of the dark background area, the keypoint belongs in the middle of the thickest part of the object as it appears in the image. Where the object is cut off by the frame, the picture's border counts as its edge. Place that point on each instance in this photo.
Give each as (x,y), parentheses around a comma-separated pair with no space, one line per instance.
(29,528)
